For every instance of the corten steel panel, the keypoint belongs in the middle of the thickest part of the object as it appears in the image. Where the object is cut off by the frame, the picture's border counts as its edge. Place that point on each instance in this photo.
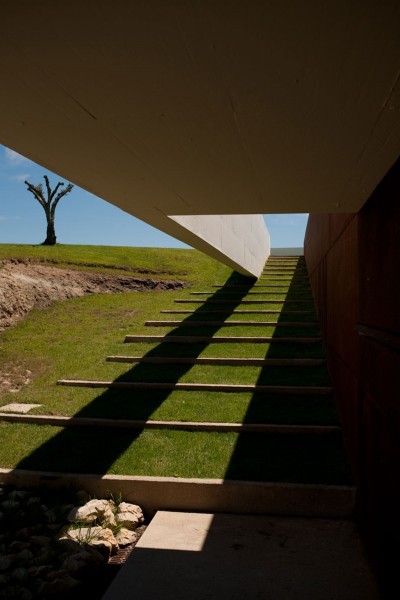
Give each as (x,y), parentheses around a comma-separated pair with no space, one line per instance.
(379,494)
(318,286)
(349,408)
(322,232)
(371,485)
(379,370)
(379,230)
(342,296)
(337,225)
(316,241)
(363,344)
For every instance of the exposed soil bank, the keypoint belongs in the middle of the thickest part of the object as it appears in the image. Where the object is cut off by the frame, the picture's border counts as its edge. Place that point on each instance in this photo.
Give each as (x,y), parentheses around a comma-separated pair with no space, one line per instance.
(25,286)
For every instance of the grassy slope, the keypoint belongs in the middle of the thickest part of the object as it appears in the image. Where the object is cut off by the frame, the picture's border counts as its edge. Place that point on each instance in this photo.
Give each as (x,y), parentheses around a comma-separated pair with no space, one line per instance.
(182,264)
(71,340)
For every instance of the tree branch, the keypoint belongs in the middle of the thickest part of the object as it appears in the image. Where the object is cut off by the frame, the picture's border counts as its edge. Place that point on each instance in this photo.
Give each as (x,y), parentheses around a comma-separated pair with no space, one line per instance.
(38,193)
(53,193)
(48,188)
(59,196)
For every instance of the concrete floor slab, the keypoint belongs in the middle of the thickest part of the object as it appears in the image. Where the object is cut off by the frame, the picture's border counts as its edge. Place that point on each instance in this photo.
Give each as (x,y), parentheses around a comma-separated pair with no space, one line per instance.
(18,407)
(237,557)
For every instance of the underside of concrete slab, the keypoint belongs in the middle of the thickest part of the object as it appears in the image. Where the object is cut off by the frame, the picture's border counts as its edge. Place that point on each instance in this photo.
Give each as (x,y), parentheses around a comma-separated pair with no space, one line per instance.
(175,111)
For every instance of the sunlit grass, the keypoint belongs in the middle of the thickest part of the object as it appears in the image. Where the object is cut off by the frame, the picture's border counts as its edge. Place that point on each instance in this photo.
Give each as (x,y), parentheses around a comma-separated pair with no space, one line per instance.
(71,340)
(181,263)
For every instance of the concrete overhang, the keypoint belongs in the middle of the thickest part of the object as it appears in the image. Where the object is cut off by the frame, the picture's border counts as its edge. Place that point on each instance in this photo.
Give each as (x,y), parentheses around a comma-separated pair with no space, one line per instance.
(205,107)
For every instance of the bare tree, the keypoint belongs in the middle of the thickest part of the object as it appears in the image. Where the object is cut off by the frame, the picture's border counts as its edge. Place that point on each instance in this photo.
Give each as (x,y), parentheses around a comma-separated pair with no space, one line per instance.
(49,204)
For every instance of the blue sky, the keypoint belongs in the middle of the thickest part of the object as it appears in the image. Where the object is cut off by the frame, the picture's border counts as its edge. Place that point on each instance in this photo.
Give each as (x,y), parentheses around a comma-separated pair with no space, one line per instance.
(82,218)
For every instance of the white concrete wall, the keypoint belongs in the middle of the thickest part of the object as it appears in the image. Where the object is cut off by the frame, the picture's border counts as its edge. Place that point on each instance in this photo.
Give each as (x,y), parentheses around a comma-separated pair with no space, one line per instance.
(240,241)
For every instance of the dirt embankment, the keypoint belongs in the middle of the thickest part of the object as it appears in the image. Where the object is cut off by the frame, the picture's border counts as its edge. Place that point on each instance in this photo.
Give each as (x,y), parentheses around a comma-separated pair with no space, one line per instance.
(25,285)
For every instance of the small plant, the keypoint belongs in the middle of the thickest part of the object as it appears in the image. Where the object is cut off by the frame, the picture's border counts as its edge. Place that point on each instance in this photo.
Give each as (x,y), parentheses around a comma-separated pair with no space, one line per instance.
(116,500)
(86,532)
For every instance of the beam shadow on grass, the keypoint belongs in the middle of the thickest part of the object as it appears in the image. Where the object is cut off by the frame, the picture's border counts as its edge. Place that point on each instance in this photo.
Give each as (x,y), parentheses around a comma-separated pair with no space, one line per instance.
(305,458)
(94,450)
(261,457)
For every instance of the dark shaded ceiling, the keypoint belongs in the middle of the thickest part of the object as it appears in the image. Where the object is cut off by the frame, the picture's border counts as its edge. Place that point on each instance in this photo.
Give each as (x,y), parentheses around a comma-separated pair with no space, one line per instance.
(205,107)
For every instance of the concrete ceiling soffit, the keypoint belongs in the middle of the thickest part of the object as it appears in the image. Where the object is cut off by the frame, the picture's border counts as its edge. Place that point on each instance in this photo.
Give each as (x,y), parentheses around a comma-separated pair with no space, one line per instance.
(201,107)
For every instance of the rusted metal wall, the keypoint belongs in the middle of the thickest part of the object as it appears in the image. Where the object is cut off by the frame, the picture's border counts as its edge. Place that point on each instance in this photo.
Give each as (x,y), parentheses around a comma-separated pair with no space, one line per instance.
(354,267)
(331,251)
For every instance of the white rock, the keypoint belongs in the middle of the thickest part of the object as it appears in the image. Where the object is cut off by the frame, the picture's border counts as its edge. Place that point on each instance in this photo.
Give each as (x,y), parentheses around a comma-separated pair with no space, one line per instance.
(94,536)
(84,514)
(93,510)
(129,515)
(104,547)
(125,536)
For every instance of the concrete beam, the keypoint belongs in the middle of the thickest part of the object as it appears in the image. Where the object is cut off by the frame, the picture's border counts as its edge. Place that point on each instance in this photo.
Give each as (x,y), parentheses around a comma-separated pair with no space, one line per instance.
(239,241)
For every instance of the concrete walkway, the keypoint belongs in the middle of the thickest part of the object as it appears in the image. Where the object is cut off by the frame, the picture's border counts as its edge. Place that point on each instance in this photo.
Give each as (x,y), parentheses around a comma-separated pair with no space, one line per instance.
(197,556)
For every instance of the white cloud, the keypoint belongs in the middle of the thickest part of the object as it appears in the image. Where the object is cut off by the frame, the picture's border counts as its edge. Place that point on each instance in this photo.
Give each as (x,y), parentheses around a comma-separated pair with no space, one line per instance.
(9,218)
(13,158)
(21,177)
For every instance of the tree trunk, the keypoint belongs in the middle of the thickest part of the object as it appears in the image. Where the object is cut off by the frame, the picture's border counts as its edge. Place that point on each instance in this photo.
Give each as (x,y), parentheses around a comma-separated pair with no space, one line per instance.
(51,233)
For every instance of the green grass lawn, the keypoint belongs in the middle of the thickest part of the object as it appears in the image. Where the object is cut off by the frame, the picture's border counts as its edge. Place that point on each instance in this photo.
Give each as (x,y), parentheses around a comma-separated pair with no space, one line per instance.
(166,262)
(71,339)
(297,459)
